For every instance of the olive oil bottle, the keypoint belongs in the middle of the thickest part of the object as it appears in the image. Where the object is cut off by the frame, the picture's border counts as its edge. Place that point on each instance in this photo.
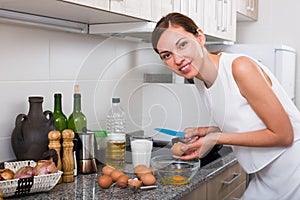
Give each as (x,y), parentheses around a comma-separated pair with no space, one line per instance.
(116,139)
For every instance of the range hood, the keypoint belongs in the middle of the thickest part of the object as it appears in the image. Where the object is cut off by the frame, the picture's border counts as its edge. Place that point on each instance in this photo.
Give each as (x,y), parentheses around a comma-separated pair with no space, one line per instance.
(136,31)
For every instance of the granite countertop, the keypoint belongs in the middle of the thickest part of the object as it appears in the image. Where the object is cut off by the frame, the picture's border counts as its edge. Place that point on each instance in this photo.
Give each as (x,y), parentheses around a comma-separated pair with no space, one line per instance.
(86,186)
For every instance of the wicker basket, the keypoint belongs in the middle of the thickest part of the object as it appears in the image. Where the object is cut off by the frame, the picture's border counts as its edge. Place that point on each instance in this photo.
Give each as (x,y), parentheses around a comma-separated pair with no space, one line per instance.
(22,186)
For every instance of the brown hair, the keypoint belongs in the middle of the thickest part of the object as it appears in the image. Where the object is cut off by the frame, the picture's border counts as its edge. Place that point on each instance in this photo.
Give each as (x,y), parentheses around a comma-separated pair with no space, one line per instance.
(172,19)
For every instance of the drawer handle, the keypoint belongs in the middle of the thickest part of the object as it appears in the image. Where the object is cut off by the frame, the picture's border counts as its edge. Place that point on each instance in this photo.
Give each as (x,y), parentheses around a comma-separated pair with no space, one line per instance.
(235,177)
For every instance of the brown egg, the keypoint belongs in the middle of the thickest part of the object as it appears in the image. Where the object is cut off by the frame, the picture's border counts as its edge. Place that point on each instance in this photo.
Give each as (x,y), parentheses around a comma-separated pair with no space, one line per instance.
(105,181)
(134,183)
(116,174)
(140,170)
(176,149)
(148,179)
(107,170)
(122,181)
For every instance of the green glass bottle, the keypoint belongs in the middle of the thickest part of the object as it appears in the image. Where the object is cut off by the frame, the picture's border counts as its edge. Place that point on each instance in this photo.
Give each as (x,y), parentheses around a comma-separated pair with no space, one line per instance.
(77,120)
(60,119)
(78,123)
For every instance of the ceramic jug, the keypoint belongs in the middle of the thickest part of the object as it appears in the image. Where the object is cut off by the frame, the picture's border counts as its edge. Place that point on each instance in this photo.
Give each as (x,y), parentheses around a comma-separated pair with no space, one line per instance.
(30,136)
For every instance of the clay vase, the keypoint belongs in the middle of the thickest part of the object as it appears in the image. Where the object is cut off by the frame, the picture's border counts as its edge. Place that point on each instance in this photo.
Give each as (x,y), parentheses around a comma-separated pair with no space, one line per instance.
(30,136)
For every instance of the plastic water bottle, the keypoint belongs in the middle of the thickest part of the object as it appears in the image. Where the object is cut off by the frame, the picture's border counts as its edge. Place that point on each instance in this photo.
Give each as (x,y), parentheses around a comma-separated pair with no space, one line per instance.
(116,139)
(115,121)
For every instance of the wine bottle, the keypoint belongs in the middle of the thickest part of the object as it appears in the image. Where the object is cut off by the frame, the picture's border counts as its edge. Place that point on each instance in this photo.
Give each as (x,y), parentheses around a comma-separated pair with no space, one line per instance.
(60,119)
(78,123)
(77,120)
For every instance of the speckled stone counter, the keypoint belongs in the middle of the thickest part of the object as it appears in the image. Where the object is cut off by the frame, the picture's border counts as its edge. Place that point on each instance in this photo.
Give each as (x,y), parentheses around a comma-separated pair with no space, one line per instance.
(86,186)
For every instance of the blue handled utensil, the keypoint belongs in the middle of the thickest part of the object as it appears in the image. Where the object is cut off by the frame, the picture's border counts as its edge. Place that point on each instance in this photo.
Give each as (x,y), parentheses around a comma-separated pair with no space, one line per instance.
(170,132)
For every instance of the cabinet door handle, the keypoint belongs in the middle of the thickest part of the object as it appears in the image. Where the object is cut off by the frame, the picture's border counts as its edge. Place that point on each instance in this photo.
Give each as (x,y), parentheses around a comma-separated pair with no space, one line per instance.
(219,14)
(225,13)
(235,177)
(250,5)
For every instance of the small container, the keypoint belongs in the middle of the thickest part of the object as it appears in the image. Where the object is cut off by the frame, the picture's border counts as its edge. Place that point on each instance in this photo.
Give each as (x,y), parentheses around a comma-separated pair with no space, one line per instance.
(141,147)
(101,136)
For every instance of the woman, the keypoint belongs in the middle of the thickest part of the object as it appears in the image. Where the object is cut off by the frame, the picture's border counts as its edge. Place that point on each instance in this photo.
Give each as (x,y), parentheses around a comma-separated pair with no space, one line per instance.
(250,110)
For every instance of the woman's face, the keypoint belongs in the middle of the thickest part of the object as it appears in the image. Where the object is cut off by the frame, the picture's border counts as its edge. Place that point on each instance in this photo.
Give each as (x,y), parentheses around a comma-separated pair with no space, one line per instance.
(181,51)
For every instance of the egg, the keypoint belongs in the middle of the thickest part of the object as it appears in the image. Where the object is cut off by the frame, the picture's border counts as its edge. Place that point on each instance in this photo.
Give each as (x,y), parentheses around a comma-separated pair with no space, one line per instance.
(134,183)
(176,149)
(148,179)
(107,170)
(116,174)
(140,170)
(105,181)
(122,181)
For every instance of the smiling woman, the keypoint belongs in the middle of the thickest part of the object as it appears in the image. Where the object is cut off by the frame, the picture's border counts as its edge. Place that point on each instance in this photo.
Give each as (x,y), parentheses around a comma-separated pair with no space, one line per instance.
(250,110)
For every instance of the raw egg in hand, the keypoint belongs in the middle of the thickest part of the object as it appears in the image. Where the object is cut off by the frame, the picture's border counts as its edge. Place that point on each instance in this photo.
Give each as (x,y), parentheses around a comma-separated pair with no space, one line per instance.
(176,149)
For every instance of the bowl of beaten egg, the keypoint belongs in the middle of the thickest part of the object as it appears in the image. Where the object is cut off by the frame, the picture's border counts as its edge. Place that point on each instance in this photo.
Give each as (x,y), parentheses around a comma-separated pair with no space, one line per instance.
(173,171)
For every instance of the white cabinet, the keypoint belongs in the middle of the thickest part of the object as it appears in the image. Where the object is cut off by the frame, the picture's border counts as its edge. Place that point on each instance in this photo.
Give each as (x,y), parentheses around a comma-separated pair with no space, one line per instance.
(101,4)
(247,10)
(191,8)
(217,18)
(196,12)
(83,11)
(161,8)
(134,8)
(220,19)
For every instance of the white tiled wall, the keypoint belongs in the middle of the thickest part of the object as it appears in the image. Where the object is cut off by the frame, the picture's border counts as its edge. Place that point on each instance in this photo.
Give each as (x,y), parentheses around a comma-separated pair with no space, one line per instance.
(172,106)
(42,62)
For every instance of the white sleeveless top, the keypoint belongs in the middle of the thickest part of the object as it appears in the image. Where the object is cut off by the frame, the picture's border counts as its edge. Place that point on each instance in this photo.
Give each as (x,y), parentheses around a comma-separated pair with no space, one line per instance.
(231,112)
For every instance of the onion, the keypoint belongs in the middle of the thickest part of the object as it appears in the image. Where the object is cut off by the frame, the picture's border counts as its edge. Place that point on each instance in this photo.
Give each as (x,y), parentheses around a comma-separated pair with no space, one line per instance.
(24,172)
(45,167)
(7,174)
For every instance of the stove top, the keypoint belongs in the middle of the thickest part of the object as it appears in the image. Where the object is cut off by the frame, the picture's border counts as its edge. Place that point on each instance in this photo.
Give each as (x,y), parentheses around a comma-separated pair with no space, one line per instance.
(212,156)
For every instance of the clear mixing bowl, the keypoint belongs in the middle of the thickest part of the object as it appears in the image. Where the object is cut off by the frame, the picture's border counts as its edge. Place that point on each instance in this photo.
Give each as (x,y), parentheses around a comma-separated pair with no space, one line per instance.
(173,171)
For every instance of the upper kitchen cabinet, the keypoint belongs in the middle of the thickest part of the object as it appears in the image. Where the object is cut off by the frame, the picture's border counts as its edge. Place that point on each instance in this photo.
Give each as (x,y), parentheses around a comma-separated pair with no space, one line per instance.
(247,10)
(163,7)
(101,4)
(135,8)
(220,19)
(196,12)
(83,11)
(191,8)
(217,18)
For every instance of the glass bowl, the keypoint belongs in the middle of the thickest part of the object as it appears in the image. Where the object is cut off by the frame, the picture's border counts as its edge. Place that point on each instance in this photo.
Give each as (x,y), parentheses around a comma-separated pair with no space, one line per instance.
(173,171)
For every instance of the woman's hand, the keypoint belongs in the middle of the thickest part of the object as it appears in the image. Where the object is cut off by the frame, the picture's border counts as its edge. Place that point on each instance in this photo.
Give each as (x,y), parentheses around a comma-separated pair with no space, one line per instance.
(200,131)
(201,141)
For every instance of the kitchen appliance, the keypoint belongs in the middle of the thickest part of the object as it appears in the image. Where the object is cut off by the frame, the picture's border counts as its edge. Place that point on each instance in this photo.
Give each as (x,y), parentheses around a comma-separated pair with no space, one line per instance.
(87,161)
(280,59)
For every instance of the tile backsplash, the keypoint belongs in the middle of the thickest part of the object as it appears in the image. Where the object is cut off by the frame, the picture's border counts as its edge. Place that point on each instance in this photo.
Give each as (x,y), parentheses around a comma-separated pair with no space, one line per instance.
(41,62)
